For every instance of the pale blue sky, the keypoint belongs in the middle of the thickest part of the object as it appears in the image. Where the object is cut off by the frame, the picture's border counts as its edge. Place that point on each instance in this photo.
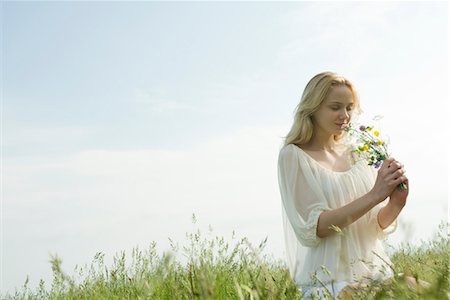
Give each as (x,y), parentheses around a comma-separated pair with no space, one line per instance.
(91,66)
(122,119)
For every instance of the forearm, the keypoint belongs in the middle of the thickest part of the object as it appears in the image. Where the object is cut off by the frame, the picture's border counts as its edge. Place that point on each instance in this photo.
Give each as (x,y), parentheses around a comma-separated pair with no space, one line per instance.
(345,215)
(388,214)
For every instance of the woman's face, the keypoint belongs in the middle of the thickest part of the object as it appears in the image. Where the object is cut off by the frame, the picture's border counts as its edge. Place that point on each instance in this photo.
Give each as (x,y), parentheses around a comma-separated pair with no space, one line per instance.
(335,111)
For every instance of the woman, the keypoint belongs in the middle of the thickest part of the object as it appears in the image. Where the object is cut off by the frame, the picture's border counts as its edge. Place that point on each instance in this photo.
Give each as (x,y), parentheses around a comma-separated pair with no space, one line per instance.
(334,209)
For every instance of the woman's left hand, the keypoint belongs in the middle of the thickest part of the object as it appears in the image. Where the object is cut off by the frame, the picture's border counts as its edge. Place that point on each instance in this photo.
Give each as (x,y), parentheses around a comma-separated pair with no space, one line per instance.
(399,195)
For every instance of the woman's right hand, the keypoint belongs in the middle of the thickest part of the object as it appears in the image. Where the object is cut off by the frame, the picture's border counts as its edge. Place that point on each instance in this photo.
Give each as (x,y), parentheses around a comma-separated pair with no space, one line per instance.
(390,175)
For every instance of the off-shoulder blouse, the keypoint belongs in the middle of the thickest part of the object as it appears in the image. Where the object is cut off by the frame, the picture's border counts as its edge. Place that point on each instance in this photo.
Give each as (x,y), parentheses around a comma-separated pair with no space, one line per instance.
(307,189)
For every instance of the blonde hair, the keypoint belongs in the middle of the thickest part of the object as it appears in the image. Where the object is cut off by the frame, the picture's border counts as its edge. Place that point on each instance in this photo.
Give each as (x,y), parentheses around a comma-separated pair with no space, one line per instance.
(313,96)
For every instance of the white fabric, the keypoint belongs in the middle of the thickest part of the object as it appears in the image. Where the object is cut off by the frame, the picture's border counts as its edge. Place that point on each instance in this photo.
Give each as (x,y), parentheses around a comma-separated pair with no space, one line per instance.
(307,189)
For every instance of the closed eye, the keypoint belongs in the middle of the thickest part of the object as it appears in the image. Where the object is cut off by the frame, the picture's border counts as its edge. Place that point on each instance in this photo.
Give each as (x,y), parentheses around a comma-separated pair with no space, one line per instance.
(337,108)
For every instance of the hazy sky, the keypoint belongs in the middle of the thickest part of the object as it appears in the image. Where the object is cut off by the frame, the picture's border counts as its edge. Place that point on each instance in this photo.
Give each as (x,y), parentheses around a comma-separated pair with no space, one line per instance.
(120,120)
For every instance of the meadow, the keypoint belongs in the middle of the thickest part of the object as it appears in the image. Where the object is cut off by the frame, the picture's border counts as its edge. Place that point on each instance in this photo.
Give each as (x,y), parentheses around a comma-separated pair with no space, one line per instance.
(216,269)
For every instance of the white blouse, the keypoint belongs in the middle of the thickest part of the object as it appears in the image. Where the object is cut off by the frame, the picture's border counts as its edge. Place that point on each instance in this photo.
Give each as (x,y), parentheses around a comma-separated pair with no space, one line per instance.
(307,189)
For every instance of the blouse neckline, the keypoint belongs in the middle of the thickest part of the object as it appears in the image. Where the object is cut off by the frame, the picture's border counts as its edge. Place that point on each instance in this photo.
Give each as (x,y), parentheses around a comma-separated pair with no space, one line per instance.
(323,167)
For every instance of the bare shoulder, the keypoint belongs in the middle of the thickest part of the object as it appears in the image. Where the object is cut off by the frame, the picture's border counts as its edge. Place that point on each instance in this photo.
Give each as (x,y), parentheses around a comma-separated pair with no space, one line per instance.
(344,147)
(346,152)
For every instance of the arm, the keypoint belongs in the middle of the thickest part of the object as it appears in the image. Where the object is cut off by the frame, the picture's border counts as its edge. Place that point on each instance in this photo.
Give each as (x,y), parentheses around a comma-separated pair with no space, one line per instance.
(388,214)
(397,200)
(346,215)
(302,196)
(390,175)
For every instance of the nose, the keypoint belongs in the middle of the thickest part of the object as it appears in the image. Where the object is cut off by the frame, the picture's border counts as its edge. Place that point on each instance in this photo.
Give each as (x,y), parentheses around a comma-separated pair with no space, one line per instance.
(344,114)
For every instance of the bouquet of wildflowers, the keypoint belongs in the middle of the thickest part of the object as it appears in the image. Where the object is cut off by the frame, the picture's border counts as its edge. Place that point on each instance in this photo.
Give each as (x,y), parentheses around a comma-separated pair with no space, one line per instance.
(371,146)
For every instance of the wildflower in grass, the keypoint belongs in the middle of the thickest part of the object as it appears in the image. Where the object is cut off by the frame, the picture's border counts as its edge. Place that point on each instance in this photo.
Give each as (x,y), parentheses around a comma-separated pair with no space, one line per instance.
(370,145)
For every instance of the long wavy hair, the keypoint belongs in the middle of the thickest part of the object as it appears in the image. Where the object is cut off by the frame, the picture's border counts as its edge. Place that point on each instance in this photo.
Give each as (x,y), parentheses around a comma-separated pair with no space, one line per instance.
(313,96)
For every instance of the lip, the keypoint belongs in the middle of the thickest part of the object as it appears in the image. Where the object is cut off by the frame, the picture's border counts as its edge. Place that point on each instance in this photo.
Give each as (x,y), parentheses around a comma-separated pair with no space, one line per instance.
(342,125)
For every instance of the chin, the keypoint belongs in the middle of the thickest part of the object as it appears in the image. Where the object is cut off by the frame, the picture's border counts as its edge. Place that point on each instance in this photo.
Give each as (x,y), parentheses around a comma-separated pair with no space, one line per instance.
(338,132)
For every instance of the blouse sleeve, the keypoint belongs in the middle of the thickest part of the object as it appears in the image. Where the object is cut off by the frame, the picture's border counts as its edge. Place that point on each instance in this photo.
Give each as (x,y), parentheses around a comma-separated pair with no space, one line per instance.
(373,221)
(302,196)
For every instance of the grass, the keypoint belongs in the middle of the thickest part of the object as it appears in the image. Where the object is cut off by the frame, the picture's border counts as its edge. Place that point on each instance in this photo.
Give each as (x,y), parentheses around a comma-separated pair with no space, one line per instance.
(214,269)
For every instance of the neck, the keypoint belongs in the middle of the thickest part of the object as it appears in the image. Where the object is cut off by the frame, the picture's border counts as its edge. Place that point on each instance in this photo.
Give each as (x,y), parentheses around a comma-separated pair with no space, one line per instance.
(322,142)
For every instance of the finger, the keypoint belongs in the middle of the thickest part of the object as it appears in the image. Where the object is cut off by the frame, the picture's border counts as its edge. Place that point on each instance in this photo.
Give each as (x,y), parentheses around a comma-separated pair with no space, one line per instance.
(394,172)
(386,163)
(401,179)
(395,165)
(397,162)
(399,172)
(393,169)
(407,183)
(395,175)
(398,180)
